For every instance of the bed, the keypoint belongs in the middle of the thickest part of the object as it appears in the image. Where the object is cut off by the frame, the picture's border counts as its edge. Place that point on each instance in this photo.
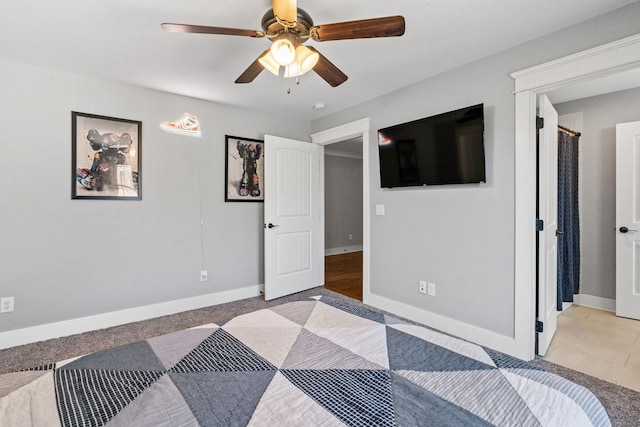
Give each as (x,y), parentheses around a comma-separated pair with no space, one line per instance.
(315,362)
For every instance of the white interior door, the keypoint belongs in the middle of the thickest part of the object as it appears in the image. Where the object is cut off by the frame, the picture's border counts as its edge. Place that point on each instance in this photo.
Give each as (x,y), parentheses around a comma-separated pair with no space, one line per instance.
(628,220)
(293,216)
(548,243)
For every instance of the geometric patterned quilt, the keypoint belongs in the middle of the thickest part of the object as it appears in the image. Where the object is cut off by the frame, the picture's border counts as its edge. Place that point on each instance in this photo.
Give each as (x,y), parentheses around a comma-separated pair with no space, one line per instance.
(317,362)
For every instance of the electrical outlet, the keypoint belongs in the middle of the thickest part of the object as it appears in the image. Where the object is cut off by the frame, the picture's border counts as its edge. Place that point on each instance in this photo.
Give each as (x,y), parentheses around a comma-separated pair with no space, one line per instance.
(431,289)
(422,288)
(350,236)
(204,276)
(6,305)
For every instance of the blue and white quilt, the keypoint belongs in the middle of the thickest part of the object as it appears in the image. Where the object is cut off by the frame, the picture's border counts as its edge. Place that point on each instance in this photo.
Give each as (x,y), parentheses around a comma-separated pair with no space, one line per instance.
(317,362)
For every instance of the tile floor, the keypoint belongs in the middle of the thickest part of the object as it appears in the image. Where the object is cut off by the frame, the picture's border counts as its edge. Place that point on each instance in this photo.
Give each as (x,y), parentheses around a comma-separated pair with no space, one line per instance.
(598,343)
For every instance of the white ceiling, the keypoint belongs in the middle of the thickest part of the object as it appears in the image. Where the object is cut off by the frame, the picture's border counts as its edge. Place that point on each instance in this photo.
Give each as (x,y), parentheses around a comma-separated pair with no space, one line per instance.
(121,40)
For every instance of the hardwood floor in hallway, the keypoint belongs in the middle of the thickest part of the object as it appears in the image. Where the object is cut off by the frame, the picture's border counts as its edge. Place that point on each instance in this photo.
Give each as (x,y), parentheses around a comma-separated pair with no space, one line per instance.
(598,343)
(343,274)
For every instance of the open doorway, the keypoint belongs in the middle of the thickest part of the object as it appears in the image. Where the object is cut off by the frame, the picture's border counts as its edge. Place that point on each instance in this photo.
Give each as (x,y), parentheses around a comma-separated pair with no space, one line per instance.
(589,68)
(343,195)
(578,68)
(590,338)
(349,131)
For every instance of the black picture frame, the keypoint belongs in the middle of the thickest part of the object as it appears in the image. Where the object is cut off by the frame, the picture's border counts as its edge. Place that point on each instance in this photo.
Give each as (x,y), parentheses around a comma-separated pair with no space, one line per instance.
(106,157)
(243,169)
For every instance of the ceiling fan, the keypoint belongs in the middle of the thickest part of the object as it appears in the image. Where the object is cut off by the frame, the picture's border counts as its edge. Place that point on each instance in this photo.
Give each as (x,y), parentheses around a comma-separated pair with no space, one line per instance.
(288,28)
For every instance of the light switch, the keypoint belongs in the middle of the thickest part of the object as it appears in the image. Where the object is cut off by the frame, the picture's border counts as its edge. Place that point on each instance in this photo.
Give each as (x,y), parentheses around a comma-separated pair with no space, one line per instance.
(379,209)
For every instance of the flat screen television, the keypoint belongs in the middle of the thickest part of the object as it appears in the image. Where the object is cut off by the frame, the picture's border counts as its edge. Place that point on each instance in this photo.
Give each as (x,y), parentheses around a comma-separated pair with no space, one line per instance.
(444,149)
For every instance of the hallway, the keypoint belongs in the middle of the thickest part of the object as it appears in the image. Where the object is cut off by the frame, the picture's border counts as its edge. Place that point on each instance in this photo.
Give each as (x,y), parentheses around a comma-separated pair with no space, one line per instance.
(343,274)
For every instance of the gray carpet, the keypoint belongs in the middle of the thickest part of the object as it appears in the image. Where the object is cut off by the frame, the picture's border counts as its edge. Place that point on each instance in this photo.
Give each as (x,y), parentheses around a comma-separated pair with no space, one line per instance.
(622,404)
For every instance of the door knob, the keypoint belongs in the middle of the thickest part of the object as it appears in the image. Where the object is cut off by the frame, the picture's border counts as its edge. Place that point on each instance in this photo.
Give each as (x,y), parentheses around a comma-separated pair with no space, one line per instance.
(626,230)
(272,225)
(559,232)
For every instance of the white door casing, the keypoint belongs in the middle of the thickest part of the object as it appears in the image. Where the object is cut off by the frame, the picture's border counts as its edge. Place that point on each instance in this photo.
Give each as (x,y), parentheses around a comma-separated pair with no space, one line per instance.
(548,204)
(628,218)
(293,216)
(583,66)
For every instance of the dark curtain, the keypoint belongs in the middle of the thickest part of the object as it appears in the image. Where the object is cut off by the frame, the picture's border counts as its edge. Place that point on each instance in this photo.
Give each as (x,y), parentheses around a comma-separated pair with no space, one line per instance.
(568,217)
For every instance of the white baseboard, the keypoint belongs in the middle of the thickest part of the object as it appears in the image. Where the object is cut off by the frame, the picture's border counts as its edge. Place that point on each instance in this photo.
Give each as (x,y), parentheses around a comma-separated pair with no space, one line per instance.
(606,304)
(466,331)
(343,250)
(120,317)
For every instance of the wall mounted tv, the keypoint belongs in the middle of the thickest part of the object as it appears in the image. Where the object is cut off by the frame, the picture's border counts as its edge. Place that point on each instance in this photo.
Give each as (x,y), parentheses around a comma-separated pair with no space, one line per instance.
(444,149)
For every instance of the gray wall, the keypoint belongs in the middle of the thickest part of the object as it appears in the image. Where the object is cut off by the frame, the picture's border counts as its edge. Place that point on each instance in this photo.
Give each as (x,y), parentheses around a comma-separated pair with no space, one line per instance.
(342,201)
(462,237)
(64,259)
(598,184)
(58,256)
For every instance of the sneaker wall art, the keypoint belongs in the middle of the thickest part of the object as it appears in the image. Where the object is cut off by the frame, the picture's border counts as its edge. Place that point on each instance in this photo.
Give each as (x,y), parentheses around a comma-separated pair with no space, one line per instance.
(187,125)
(106,157)
(244,169)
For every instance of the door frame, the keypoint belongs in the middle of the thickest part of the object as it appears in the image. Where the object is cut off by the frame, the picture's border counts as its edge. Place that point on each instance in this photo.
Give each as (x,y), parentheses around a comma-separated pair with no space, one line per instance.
(584,66)
(341,133)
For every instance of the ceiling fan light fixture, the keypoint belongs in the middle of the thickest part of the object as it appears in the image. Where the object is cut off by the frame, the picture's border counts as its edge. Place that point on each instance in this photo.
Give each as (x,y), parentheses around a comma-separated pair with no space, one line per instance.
(292,70)
(287,28)
(283,49)
(306,59)
(269,63)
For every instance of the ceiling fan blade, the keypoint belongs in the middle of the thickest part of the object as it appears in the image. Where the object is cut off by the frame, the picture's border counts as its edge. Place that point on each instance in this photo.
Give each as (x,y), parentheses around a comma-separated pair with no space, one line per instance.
(252,72)
(201,29)
(390,26)
(329,72)
(285,10)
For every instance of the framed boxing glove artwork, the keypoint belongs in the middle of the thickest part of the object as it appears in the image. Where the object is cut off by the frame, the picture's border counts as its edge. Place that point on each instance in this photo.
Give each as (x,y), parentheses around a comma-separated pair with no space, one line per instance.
(244,169)
(105,157)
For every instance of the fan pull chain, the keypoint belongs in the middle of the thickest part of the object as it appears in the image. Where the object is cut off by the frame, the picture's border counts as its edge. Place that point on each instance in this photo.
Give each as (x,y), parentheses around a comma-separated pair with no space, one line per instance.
(297,82)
